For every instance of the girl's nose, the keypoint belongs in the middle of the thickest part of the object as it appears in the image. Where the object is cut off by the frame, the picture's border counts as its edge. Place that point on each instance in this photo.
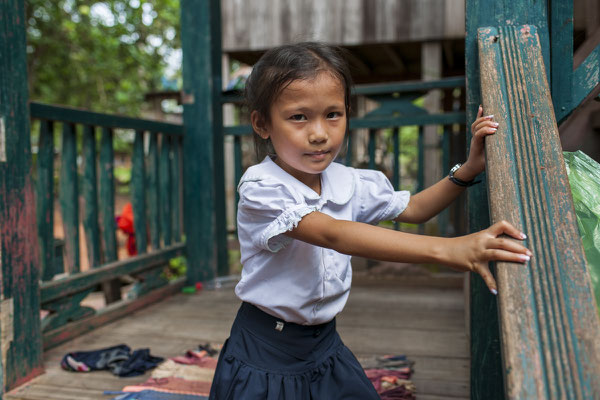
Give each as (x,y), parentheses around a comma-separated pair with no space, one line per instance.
(318,134)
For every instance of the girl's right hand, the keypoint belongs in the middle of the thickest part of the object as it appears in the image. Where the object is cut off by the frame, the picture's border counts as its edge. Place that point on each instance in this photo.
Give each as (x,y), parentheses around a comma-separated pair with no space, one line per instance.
(473,252)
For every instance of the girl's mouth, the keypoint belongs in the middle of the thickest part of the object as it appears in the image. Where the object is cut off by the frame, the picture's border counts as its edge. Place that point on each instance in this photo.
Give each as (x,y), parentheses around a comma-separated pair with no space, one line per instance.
(318,155)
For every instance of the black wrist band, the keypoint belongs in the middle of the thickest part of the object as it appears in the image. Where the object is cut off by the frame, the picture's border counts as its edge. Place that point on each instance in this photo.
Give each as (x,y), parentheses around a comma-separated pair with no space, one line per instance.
(457,181)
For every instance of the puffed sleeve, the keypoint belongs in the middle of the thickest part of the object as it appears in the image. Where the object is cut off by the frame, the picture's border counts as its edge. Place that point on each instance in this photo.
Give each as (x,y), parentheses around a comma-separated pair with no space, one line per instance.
(377,199)
(266,210)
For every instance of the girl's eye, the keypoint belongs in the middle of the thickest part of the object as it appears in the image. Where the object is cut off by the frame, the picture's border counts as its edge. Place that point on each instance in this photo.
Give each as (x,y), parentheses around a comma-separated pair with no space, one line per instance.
(298,117)
(334,115)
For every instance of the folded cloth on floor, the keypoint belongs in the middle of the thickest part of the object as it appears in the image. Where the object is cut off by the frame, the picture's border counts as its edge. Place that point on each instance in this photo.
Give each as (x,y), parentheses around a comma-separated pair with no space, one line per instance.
(172,385)
(155,395)
(170,368)
(397,393)
(199,358)
(118,359)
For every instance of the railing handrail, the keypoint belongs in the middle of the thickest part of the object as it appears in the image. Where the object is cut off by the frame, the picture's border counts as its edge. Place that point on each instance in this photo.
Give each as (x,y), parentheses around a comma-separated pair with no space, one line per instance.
(379,88)
(79,116)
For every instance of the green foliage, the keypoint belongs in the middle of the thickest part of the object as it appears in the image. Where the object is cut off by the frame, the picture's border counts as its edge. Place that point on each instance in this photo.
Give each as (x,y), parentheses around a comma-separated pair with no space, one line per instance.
(104,56)
(176,269)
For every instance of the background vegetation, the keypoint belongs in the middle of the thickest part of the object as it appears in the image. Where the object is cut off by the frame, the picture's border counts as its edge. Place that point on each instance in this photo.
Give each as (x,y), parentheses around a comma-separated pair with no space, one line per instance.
(103,56)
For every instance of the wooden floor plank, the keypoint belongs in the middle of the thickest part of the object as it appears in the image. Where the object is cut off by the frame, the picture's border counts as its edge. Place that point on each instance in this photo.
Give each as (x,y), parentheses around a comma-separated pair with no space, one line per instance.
(426,324)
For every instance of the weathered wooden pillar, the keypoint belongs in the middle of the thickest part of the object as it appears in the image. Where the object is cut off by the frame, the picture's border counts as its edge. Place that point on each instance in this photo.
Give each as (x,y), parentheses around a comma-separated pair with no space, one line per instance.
(20,331)
(200,78)
(549,327)
(486,364)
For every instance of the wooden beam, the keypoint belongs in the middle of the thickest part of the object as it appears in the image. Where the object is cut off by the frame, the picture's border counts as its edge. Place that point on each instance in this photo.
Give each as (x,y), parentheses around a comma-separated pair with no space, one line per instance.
(395,58)
(586,78)
(20,331)
(548,317)
(486,367)
(108,314)
(561,54)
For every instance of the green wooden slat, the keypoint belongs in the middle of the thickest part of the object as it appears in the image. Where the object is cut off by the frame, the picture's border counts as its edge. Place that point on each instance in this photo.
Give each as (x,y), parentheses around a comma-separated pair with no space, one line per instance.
(238,130)
(107,195)
(444,217)
(45,198)
(20,331)
(198,146)
(74,116)
(396,164)
(66,309)
(138,192)
(69,197)
(237,153)
(90,195)
(421,160)
(586,77)
(421,167)
(164,185)
(176,189)
(111,289)
(218,140)
(371,147)
(152,192)
(561,54)
(54,290)
(348,159)
(108,314)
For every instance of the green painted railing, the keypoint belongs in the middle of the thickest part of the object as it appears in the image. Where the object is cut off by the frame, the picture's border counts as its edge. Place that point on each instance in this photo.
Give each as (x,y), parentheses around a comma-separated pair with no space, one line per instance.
(87,156)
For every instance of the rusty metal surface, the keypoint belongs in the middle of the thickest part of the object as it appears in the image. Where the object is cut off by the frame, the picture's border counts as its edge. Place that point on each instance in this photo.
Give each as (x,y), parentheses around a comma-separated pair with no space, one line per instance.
(550,331)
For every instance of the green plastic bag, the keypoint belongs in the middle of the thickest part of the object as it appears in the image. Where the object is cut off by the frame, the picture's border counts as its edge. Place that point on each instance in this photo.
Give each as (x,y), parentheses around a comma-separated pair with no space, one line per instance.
(584,178)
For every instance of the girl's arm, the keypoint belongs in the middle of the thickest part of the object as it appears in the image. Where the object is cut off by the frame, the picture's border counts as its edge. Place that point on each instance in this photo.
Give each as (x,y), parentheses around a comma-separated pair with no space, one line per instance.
(431,201)
(465,253)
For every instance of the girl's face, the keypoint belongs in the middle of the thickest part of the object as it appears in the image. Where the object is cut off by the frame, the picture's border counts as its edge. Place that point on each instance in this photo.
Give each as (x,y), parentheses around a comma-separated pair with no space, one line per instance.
(307,126)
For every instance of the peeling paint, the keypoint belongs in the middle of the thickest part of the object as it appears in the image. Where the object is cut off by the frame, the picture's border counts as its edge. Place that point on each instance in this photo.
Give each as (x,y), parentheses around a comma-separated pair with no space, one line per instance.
(6,329)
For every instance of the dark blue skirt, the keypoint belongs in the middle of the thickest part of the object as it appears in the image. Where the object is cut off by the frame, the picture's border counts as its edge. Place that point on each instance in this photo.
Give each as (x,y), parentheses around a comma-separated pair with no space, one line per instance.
(265,358)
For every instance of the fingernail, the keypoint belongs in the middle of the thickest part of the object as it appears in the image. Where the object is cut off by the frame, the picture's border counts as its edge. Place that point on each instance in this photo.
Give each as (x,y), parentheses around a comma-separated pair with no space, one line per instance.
(490,116)
(529,253)
(494,291)
(480,106)
(524,257)
(523,236)
(496,124)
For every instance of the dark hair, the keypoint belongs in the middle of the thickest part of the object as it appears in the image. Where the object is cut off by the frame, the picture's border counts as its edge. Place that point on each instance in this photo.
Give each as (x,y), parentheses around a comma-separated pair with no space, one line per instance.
(282,65)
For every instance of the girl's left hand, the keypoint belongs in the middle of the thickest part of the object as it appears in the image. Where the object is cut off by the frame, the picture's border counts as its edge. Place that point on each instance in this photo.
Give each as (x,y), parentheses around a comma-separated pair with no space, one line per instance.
(482,127)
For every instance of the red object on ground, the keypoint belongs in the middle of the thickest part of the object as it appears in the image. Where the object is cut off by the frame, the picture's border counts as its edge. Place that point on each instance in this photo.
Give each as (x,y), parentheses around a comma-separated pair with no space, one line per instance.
(198,286)
(125,223)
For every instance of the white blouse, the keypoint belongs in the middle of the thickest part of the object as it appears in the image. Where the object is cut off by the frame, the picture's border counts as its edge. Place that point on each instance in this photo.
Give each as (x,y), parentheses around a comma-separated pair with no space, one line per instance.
(290,279)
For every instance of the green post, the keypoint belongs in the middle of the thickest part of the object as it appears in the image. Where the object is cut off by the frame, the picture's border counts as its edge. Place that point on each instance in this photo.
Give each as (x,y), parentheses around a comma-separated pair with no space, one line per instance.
(486,365)
(20,330)
(198,142)
(218,139)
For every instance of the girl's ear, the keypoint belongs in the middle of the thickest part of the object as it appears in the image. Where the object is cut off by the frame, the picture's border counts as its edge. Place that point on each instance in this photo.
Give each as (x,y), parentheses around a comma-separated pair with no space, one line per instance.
(259,124)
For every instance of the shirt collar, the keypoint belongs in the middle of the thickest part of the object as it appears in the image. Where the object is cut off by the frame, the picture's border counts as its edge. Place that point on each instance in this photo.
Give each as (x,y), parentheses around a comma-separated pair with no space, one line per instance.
(337,181)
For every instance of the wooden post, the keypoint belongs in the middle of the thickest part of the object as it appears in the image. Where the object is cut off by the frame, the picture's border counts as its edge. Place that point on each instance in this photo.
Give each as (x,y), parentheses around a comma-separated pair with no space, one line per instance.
(486,364)
(198,141)
(20,331)
(218,139)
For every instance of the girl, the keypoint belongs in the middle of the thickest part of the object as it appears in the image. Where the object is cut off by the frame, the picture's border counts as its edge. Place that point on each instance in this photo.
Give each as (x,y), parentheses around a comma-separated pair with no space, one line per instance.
(300,219)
